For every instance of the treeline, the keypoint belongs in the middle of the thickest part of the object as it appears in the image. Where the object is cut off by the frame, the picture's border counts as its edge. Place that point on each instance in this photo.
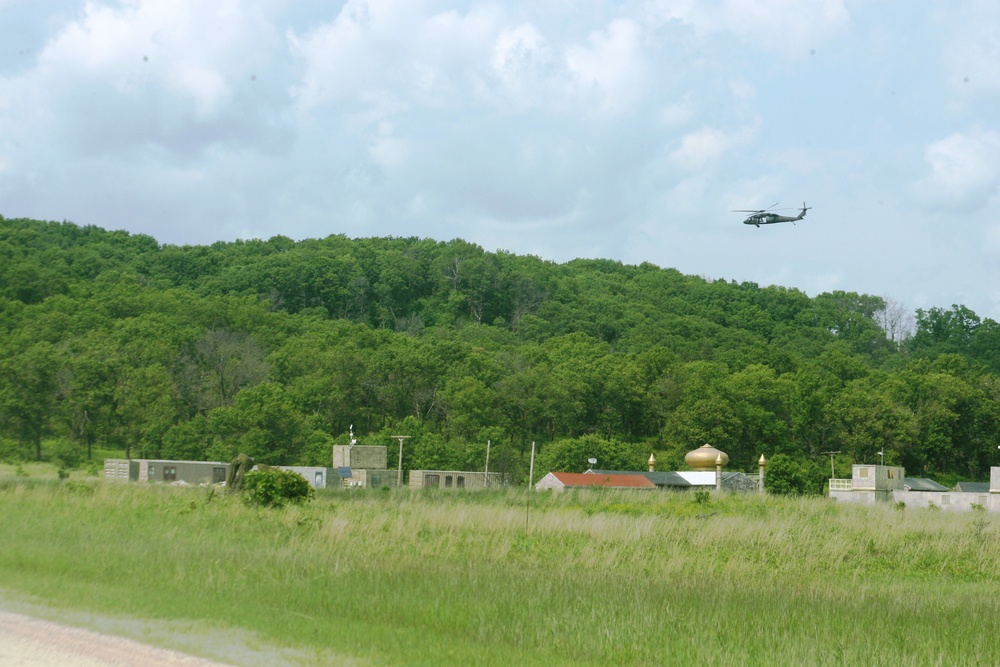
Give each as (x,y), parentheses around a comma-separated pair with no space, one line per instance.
(276,348)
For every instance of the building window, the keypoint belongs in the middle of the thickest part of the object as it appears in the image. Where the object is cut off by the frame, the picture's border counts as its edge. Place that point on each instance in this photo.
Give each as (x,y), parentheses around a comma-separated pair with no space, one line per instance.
(460,482)
(319,480)
(447,481)
(151,473)
(218,475)
(169,473)
(945,499)
(432,480)
(863,472)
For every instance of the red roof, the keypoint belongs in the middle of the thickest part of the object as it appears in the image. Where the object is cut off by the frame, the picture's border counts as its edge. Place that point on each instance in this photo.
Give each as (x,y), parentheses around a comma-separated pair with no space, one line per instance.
(611,481)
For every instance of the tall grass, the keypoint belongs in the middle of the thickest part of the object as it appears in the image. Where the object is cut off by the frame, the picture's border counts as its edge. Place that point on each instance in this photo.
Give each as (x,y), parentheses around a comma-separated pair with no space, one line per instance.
(475,578)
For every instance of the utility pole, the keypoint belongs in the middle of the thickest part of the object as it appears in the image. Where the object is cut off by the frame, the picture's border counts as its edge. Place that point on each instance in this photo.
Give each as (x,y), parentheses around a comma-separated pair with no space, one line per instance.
(831,455)
(399,474)
(486,481)
(531,487)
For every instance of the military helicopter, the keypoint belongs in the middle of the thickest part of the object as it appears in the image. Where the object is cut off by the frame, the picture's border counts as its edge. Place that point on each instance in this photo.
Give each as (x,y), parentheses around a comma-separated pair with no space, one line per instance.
(768,217)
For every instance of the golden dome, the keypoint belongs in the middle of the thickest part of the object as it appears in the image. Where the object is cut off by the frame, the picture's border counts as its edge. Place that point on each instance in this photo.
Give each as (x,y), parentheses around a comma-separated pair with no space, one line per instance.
(704,458)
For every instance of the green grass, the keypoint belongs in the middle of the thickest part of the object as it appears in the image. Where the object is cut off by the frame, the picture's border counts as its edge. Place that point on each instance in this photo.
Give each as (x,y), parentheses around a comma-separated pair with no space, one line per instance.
(408,578)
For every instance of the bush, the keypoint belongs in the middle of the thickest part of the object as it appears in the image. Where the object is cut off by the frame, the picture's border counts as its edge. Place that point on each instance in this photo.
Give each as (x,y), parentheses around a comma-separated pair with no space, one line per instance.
(66,453)
(789,476)
(275,487)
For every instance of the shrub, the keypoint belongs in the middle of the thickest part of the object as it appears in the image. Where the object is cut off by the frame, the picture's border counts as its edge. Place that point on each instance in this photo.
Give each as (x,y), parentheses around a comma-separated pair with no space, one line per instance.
(790,476)
(275,487)
(66,453)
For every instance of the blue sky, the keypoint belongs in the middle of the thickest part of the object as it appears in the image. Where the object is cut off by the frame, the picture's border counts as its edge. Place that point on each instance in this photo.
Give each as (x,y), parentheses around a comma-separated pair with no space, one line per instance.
(624,130)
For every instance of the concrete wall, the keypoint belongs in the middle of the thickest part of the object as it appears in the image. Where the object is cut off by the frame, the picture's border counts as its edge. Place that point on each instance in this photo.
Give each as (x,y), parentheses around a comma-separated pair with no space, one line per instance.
(360,456)
(318,477)
(170,472)
(372,478)
(116,469)
(860,497)
(455,479)
(953,500)
(865,478)
(549,482)
(877,478)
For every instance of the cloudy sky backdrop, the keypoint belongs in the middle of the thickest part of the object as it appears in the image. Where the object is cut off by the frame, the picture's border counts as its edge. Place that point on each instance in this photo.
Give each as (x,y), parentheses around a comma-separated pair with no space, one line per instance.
(564,128)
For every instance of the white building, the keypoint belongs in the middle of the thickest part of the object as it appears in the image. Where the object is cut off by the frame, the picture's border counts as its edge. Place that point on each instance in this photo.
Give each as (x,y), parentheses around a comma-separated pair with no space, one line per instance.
(870,484)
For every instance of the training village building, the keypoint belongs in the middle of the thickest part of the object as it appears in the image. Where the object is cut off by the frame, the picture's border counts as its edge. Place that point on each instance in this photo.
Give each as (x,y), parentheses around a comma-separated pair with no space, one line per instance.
(706,473)
(870,484)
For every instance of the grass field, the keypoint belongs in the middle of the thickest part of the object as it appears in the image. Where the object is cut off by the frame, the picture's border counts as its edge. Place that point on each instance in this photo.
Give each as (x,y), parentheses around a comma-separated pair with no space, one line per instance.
(417,578)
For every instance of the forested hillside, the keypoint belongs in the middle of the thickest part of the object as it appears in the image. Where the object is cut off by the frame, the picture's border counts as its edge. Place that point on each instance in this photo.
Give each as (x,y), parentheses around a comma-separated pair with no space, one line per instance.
(275,348)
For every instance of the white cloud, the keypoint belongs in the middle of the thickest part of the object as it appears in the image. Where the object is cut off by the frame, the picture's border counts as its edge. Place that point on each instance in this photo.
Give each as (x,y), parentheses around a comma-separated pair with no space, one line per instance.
(679,113)
(389,151)
(375,45)
(972,47)
(707,145)
(555,128)
(516,47)
(194,49)
(788,26)
(611,64)
(965,170)
(742,90)
(526,68)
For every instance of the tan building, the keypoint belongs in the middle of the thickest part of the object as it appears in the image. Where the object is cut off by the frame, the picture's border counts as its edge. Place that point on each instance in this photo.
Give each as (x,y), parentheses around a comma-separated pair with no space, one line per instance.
(456,479)
(367,457)
(170,472)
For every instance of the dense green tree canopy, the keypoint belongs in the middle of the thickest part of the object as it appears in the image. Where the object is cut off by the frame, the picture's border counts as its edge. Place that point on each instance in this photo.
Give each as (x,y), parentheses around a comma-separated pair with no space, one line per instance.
(275,348)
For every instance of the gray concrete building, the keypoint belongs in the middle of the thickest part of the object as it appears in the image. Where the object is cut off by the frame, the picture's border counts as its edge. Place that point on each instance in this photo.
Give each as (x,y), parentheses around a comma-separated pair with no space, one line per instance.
(870,484)
(456,479)
(170,472)
(367,457)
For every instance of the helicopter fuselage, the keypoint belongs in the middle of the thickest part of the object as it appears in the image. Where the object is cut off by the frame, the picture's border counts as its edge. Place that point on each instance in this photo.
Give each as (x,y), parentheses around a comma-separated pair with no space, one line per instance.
(759,219)
(764,218)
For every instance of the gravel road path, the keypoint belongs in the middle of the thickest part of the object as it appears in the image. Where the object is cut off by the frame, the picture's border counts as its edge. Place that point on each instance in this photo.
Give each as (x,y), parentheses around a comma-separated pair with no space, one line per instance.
(29,642)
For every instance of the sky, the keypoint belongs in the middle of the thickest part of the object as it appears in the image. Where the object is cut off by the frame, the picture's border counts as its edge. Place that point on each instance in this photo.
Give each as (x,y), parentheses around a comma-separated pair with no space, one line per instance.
(626,130)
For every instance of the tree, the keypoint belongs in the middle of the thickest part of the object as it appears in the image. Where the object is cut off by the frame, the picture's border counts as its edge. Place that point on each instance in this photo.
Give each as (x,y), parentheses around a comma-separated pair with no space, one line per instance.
(790,476)
(145,408)
(572,455)
(895,320)
(262,423)
(229,361)
(28,390)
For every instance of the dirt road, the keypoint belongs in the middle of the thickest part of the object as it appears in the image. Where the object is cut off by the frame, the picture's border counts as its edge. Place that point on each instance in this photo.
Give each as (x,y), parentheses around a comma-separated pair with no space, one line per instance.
(29,642)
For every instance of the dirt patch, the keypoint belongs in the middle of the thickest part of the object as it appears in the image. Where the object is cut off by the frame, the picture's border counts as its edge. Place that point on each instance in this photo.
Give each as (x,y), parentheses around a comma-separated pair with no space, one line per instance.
(33,635)
(30,642)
